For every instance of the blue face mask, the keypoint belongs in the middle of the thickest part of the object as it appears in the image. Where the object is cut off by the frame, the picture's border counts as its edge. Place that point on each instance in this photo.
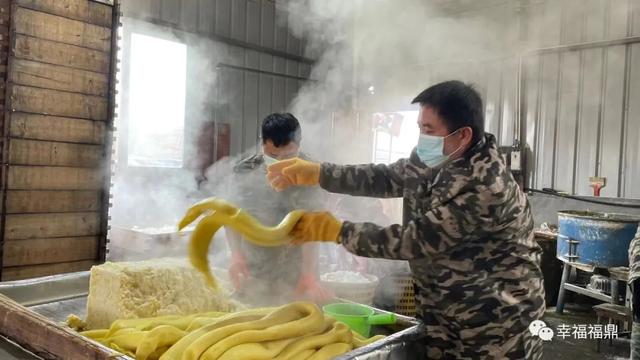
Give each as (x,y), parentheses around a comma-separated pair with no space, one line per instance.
(430,149)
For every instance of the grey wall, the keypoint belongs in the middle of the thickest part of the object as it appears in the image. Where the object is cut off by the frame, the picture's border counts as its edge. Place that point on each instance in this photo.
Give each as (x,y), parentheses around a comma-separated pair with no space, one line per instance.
(578,117)
(268,66)
(579,114)
(489,61)
(242,64)
(251,95)
(581,117)
(545,207)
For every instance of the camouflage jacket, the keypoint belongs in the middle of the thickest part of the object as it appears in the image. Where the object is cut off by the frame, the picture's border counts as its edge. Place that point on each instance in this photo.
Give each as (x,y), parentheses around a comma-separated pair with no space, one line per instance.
(468,235)
(634,257)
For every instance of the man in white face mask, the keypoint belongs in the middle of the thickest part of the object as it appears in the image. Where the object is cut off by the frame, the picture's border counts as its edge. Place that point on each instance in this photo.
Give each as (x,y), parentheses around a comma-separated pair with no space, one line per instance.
(467,230)
(270,276)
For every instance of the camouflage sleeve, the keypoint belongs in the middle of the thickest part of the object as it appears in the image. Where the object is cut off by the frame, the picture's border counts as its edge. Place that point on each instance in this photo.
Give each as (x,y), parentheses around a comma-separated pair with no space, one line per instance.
(634,257)
(373,180)
(466,217)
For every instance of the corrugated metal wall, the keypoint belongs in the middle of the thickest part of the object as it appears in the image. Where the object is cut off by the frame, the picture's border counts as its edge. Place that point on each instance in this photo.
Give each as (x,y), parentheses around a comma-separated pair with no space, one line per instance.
(580,111)
(493,73)
(252,93)
(496,80)
(263,63)
(242,64)
(579,117)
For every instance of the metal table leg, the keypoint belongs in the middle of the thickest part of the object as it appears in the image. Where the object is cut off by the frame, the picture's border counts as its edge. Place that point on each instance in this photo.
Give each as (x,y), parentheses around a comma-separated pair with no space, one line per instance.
(566,270)
(615,292)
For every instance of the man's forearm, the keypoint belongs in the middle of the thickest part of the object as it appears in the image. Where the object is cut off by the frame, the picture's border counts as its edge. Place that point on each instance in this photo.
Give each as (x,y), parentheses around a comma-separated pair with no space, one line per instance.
(233,239)
(309,258)
(373,180)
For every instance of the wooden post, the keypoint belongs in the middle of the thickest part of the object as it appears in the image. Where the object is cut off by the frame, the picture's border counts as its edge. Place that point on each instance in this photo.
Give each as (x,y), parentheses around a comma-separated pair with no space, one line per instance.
(108,168)
(5,10)
(55,134)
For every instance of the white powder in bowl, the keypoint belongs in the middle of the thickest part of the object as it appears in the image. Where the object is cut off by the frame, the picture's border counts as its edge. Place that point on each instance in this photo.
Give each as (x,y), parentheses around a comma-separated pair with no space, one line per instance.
(345,277)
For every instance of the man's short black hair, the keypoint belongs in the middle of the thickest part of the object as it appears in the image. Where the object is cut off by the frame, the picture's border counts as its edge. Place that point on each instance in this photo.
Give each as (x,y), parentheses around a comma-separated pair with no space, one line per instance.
(458,104)
(281,129)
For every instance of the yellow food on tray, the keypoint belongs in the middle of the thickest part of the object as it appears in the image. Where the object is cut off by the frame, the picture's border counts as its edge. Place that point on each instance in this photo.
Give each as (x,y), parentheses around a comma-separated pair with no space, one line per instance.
(218,213)
(298,330)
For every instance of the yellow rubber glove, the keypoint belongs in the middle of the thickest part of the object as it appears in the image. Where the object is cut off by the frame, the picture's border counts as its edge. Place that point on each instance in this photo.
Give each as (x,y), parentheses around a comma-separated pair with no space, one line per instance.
(293,172)
(316,226)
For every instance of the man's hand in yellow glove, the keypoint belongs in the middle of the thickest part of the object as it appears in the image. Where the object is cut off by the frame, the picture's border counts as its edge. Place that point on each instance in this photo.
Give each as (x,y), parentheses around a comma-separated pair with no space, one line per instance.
(316,226)
(290,172)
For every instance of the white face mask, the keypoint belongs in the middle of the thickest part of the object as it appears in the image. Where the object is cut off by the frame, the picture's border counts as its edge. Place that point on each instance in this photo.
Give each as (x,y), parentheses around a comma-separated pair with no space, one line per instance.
(268,160)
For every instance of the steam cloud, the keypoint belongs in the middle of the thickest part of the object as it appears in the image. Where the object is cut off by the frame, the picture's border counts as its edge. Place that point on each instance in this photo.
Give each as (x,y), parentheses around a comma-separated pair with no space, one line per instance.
(372,55)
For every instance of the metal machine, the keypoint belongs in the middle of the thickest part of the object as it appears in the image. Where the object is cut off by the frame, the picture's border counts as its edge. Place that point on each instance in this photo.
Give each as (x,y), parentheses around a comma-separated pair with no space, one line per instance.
(592,241)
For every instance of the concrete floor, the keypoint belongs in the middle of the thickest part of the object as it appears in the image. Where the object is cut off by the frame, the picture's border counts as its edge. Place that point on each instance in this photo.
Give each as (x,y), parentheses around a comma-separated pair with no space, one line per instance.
(583,349)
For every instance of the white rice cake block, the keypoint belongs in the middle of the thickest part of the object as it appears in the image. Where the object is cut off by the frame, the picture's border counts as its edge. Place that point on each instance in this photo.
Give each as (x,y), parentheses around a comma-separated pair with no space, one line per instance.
(164,286)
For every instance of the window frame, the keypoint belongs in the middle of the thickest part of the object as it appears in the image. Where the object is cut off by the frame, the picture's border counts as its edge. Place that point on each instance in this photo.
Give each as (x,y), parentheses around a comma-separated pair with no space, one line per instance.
(133,26)
(390,154)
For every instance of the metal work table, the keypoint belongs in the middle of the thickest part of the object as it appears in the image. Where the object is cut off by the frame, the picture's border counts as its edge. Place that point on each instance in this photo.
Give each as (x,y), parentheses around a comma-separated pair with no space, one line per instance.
(56,311)
(55,297)
(12,351)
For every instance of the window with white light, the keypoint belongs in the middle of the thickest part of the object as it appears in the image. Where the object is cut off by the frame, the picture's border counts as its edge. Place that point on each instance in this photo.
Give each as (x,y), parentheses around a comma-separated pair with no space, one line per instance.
(157,91)
(395,135)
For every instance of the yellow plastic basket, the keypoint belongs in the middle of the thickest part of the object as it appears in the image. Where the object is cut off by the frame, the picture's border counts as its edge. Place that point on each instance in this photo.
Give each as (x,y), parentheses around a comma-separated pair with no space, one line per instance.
(405,303)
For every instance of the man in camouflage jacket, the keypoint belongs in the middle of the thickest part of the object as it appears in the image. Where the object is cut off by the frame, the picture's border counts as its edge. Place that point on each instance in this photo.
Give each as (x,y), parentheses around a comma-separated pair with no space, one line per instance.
(634,283)
(467,230)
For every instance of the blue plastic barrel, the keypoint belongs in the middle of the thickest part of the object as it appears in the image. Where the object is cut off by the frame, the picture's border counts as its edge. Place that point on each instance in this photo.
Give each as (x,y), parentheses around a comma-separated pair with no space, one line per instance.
(595,239)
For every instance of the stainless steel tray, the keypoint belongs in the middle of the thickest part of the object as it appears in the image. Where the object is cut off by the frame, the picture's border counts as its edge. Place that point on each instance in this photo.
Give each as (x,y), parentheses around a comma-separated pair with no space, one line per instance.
(57,296)
(12,351)
(403,344)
